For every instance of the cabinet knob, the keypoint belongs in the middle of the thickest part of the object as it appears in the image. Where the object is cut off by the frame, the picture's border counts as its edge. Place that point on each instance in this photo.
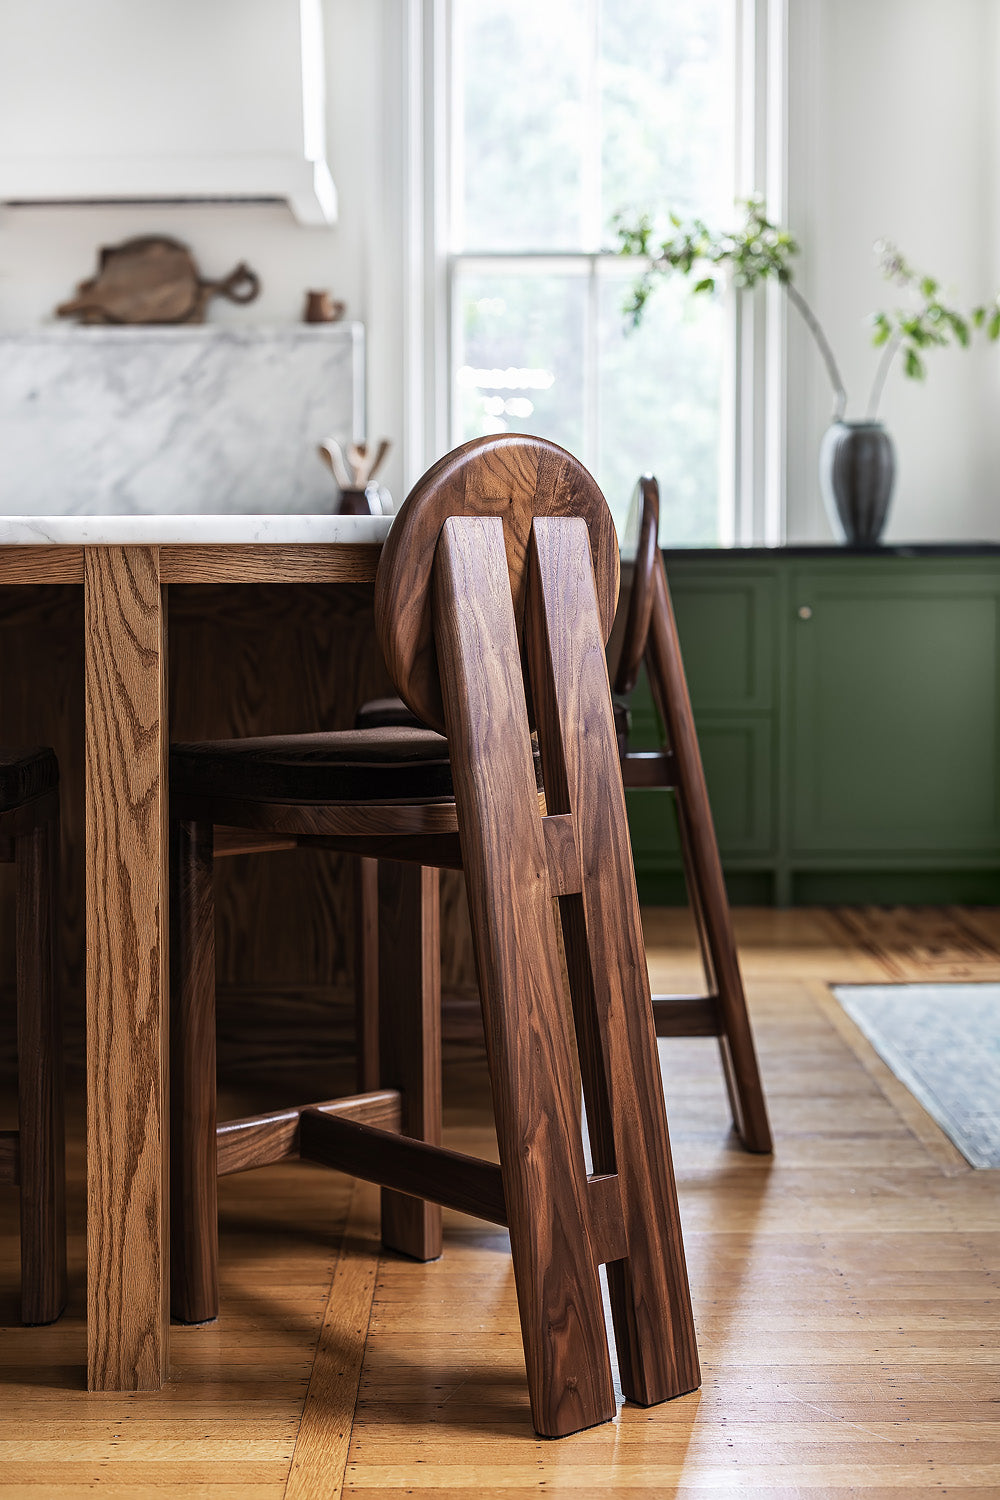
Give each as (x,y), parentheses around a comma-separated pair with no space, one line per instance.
(805,612)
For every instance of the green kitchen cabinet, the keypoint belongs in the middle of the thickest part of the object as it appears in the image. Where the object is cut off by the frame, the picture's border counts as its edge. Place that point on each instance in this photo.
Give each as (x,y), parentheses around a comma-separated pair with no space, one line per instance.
(848,710)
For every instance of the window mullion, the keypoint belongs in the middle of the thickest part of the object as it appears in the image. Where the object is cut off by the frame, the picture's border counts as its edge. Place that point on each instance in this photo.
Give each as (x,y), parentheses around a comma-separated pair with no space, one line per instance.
(591,353)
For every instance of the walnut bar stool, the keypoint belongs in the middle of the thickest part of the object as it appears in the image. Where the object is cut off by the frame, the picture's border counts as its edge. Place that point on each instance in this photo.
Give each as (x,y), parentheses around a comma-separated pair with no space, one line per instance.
(33,1156)
(650,637)
(495,593)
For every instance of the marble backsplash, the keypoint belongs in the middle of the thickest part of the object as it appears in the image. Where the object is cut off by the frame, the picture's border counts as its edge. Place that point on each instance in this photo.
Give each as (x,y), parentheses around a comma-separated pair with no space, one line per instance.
(112,421)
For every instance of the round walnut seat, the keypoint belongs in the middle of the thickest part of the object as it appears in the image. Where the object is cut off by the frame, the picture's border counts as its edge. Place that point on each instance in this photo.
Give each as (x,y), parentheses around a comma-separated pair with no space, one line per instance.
(395,764)
(384,713)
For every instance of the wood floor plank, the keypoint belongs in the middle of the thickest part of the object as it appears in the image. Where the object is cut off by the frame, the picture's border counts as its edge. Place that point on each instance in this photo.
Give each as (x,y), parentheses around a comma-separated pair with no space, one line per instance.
(317,1470)
(846,1295)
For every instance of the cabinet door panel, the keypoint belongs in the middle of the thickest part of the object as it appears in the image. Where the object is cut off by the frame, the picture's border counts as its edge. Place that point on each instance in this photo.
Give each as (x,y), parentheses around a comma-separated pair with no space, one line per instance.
(738,769)
(726,629)
(895,713)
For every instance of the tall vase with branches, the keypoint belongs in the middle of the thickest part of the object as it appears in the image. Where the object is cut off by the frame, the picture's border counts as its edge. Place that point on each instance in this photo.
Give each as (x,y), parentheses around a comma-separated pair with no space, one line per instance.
(857,461)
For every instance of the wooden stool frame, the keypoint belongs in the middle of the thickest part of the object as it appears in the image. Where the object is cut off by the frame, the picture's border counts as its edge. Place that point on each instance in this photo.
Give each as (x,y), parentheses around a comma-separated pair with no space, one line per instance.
(651,638)
(33,1156)
(534,874)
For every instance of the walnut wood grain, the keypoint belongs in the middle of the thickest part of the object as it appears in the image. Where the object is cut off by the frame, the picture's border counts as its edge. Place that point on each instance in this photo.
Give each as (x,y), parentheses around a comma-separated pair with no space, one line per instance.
(126,968)
(706,880)
(281,657)
(607,1217)
(512,477)
(447,1177)
(409,1035)
(532,1066)
(194,1207)
(687,1015)
(10,1157)
(42,1164)
(650,1297)
(264,1140)
(642,539)
(559,832)
(366,1014)
(650,635)
(351,820)
(649,768)
(230,841)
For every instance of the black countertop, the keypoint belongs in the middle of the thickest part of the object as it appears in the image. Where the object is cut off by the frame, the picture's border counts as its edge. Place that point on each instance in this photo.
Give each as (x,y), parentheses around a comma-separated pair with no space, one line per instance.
(831,549)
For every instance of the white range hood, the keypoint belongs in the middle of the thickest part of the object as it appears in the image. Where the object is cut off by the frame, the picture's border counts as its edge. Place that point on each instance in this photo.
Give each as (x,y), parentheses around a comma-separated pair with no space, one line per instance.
(153,100)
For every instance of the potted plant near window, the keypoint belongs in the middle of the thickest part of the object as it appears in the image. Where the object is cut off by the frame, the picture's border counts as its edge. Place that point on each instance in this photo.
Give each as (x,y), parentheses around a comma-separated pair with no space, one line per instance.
(857,460)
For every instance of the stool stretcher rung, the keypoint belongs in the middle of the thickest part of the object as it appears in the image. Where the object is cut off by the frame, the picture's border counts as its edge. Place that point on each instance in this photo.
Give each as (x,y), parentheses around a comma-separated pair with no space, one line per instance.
(262,1140)
(607,1222)
(649,768)
(562,854)
(687,1015)
(397,1161)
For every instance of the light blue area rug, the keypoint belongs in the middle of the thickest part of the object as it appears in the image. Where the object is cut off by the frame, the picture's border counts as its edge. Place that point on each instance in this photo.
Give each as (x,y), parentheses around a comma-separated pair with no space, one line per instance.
(943,1042)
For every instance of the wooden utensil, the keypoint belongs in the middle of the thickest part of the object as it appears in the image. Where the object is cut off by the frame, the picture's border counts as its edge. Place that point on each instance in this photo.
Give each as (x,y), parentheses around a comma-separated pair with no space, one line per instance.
(153,279)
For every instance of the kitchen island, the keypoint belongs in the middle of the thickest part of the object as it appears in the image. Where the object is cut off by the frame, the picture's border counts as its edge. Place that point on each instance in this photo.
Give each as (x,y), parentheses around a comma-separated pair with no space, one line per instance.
(123,564)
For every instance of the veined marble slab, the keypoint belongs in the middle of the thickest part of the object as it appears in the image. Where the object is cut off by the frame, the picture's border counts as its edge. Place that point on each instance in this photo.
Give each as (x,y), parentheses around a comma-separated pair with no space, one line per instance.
(176,530)
(107,421)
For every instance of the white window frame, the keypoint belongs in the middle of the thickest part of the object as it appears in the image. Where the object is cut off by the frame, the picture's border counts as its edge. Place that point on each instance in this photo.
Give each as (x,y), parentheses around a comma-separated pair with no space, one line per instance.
(753,466)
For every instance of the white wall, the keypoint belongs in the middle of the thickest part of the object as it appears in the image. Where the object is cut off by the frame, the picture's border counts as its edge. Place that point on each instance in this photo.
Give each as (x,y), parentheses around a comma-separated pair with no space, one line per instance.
(893,133)
(45,251)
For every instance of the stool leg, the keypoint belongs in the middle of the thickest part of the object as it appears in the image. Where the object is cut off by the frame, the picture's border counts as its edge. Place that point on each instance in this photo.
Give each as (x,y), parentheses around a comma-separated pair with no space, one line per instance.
(650,1298)
(529,1046)
(409,969)
(366,936)
(40,1080)
(704,871)
(194,1228)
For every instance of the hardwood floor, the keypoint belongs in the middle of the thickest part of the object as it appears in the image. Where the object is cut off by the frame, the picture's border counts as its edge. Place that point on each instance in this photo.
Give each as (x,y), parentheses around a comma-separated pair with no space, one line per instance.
(846,1293)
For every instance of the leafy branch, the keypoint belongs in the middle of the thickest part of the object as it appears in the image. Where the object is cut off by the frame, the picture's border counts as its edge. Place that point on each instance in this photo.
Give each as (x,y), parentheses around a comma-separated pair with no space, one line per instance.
(760,250)
(926,324)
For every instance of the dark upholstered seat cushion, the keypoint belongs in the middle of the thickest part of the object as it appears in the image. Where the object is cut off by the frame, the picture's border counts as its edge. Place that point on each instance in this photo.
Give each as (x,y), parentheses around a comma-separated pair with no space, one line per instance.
(26,774)
(355,765)
(384,713)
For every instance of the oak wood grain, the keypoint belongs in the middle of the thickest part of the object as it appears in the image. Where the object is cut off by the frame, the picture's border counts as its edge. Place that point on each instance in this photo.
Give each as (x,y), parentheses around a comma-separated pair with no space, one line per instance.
(844,1289)
(324,1435)
(266,562)
(281,657)
(126,968)
(20,565)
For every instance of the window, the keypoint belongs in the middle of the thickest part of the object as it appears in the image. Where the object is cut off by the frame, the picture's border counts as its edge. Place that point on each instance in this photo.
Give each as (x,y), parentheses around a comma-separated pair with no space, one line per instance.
(563,112)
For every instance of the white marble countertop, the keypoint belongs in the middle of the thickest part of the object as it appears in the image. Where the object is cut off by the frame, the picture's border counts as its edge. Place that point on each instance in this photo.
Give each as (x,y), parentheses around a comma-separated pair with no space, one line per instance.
(198,530)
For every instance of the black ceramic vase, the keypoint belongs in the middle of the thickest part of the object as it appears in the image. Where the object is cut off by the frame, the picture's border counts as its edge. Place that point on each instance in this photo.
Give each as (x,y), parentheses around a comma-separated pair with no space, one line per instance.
(857,467)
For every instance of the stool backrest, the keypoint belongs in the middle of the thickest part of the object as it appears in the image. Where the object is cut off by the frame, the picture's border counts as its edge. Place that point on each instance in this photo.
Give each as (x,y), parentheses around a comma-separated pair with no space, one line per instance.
(639,553)
(513,477)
